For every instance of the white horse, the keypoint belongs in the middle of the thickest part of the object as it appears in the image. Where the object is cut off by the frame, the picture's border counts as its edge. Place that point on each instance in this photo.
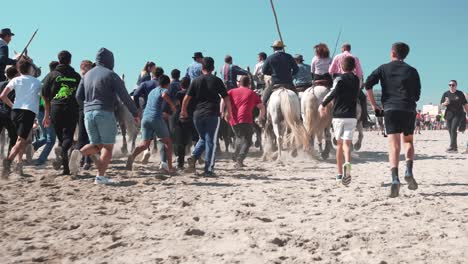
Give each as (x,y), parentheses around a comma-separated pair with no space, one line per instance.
(127,126)
(284,119)
(316,125)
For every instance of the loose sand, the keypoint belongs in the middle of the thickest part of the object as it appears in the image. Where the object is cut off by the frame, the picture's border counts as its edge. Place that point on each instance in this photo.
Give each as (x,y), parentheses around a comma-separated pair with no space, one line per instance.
(270,212)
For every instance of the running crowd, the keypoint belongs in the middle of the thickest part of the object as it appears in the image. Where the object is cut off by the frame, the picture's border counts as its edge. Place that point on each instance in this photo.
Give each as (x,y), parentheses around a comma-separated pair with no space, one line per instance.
(192,108)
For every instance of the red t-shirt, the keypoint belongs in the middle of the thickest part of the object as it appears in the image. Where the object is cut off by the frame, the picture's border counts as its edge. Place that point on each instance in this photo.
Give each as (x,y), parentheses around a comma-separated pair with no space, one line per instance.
(243,101)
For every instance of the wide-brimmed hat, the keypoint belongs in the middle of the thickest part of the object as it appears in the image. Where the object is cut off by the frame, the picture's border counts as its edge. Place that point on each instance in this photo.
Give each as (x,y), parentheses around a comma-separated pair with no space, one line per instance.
(298,57)
(197,55)
(6,31)
(278,44)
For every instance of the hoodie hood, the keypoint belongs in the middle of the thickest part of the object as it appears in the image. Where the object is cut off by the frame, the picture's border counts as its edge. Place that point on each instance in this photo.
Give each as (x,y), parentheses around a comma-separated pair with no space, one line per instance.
(65,69)
(105,58)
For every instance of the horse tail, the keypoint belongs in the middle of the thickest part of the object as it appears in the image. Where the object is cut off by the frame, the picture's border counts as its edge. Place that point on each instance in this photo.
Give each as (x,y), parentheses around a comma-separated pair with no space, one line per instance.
(293,119)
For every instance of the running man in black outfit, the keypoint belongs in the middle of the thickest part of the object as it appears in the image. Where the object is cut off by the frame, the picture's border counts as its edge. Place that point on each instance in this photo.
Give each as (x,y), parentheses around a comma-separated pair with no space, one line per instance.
(59,89)
(345,92)
(455,102)
(401,89)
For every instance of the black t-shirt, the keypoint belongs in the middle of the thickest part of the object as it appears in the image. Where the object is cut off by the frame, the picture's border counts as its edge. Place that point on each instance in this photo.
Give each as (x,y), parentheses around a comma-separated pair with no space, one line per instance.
(4,108)
(401,86)
(345,91)
(456,102)
(190,108)
(207,90)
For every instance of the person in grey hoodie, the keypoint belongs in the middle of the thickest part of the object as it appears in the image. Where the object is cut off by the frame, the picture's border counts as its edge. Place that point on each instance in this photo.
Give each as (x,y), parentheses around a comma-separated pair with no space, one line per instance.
(98,92)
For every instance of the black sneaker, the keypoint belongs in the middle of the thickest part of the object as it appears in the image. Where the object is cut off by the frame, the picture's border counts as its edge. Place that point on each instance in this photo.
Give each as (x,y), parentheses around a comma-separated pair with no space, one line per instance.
(412,184)
(395,189)
(191,165)
(210,174)
(452,150)
(6,168)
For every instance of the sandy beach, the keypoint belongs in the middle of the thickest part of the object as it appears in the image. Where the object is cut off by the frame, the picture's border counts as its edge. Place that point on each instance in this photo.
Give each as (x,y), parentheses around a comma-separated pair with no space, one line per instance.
(269,212)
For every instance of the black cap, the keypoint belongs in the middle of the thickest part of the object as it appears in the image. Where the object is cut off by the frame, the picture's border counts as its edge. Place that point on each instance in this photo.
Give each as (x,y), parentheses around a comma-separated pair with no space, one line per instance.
(6,31)
(197,55)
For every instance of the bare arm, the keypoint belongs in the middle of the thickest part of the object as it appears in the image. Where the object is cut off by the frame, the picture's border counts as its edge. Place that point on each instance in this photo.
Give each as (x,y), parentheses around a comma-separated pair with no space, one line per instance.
(4,97)
(46,121)
(227,102)
(261,106)
(185,103)
(168,100)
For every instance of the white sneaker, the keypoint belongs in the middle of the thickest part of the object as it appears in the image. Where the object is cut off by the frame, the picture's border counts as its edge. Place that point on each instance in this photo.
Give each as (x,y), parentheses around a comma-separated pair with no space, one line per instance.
(74,162)
(164,166)
(146,157)
(102,180)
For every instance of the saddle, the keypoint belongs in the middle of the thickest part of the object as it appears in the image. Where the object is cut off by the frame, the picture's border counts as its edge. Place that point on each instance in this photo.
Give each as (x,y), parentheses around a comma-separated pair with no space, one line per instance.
(325,83)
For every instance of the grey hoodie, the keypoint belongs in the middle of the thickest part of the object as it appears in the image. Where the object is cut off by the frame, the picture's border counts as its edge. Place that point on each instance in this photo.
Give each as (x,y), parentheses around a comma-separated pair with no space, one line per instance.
(99,88)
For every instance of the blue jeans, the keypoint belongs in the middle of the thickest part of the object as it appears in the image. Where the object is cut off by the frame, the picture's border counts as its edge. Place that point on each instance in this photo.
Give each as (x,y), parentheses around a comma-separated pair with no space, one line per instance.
(207,128)
(47,138)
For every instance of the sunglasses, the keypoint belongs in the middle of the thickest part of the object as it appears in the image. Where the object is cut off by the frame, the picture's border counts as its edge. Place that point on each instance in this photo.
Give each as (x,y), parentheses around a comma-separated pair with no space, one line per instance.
(452,85)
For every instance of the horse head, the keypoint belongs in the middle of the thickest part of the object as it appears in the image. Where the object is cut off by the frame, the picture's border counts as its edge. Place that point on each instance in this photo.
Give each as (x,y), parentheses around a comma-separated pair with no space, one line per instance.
(35,70)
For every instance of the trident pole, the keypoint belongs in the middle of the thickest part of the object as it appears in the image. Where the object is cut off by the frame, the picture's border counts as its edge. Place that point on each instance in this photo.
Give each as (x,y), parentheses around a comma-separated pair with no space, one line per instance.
(336,43)
(27,45)
(276,20)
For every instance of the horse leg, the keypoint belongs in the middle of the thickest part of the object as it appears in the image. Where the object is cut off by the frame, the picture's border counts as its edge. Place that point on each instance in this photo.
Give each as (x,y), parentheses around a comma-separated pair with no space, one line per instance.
(328,144)
(360,129)
(279,141)
(124,148)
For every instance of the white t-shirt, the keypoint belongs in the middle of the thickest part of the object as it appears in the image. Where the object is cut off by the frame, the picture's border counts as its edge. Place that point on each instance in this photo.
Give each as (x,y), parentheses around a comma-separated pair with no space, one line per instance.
(27,90)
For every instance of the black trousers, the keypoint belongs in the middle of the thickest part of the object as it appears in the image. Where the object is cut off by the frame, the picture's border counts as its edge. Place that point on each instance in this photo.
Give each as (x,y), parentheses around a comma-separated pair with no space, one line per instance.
(64,119)
(453,122)
(243,133)
(5,122)
(185,133)
(83,138)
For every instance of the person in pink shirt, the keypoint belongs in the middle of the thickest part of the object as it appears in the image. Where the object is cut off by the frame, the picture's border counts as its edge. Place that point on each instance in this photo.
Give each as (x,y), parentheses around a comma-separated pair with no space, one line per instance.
(336,70)
(243,101)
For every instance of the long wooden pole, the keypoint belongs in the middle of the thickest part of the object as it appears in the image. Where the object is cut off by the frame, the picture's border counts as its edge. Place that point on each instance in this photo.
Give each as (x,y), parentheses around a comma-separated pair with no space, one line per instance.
(276,20)
(27,45)
(336,43)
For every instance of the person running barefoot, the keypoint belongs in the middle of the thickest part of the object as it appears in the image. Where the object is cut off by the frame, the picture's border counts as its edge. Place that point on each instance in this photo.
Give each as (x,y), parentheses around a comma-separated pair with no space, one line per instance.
(153,124)
(24,112)
(345,91)
(401,89)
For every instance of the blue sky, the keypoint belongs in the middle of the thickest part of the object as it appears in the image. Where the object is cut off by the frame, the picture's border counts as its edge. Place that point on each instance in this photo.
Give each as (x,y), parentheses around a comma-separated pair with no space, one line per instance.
(168,32)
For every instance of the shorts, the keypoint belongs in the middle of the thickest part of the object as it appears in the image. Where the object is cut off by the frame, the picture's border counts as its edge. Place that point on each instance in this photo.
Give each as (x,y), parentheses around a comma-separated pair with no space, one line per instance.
(101,127)
(344,128)
(151,128)
(397,122)
(23,121)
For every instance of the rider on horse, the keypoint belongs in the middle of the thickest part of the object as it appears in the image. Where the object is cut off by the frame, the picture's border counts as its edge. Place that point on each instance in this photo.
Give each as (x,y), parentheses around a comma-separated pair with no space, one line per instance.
(281,66)
(303,78)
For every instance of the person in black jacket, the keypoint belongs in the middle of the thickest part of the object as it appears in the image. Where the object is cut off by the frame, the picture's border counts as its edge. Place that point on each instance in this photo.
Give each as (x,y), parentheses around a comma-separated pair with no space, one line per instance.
(401,89)
(282,67)
(345,92)
(5,38)
(455,102)
(5,110)
(59,90)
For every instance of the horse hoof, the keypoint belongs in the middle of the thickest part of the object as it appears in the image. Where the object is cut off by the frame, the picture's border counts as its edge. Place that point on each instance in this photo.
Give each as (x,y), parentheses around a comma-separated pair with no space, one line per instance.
(357,146)
(325,155)
(294,153)
(335,142)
